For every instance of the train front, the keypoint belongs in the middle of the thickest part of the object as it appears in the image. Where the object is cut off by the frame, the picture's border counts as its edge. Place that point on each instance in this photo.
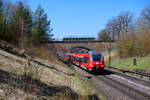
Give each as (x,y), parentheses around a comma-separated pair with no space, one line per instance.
(97,61)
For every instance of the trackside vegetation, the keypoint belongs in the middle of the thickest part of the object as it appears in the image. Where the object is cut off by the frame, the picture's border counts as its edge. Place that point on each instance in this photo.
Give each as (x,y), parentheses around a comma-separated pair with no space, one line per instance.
(128,62)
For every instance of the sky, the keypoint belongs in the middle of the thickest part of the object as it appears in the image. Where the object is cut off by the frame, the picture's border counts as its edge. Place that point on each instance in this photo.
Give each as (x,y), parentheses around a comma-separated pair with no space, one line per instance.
(84,18)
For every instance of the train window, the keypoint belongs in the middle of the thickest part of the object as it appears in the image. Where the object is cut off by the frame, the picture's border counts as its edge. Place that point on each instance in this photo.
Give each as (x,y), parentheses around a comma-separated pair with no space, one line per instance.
(86,59)
(77,59)
(81,60)
(96,57)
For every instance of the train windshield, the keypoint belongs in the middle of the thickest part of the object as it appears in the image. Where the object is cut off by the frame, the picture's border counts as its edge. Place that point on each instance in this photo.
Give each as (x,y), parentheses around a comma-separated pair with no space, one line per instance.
(96,57)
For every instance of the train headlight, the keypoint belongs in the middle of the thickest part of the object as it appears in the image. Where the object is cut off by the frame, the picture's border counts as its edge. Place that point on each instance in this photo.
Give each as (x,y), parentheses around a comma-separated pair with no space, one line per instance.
(102,66)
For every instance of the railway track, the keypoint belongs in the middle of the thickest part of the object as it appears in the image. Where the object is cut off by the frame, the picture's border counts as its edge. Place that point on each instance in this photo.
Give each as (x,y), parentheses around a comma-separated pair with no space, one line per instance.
(125,89)
(116,89)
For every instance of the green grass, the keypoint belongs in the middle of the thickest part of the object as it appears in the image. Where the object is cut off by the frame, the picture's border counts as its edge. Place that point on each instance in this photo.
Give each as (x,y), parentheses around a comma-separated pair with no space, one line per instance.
(142,62)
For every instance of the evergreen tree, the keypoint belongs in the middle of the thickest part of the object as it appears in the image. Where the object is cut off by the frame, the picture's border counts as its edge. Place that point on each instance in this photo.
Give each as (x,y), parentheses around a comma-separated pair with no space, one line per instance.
(21,21)
(3,26)
(1,9)
(42,29)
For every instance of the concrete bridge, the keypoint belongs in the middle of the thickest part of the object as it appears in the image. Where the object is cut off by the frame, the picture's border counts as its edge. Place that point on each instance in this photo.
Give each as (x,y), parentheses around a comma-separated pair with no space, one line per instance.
(91,45)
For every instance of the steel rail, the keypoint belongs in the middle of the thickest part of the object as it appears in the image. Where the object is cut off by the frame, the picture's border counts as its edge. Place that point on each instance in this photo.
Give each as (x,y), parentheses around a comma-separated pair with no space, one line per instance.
(128,71)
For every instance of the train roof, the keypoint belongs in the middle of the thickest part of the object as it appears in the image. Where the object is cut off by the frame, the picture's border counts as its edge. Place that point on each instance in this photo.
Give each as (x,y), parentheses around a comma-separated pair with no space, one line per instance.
(93,52)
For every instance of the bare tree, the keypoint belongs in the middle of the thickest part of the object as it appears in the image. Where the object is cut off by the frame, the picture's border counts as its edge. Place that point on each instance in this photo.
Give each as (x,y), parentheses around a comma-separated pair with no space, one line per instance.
(113,28)
(104,35)
(120,24)
(145,15)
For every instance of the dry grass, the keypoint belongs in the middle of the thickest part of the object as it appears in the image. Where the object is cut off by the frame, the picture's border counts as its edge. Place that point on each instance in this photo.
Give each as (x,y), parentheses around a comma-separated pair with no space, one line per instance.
(43,51)
(40,79)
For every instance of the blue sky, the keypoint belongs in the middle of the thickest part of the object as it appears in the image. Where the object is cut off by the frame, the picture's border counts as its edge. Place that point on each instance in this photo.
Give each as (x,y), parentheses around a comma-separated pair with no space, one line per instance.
(84,18)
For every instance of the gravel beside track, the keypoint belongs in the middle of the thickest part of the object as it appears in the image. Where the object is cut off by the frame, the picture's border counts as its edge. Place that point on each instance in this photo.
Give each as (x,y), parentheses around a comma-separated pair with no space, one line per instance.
(131,76)
(117,86)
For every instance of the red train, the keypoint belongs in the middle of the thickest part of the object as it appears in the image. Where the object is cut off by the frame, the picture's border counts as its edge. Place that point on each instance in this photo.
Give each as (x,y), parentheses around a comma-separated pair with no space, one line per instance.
(89,60)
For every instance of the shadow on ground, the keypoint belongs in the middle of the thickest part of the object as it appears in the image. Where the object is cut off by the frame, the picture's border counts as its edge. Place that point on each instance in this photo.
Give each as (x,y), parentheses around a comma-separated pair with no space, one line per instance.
(53,67)
(104,72)
(37,87)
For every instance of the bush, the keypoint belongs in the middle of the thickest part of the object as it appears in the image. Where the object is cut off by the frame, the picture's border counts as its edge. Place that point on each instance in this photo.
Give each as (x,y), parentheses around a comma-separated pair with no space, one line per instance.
(126,46)
(130,46)
(143,45)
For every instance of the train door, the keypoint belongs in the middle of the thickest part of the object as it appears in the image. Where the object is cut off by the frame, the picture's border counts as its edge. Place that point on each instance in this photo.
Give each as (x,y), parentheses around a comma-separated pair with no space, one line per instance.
(86,62)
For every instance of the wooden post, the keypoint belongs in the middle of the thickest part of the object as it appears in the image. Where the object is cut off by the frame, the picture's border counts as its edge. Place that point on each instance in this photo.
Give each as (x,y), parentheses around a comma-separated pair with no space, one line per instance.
(109,54)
